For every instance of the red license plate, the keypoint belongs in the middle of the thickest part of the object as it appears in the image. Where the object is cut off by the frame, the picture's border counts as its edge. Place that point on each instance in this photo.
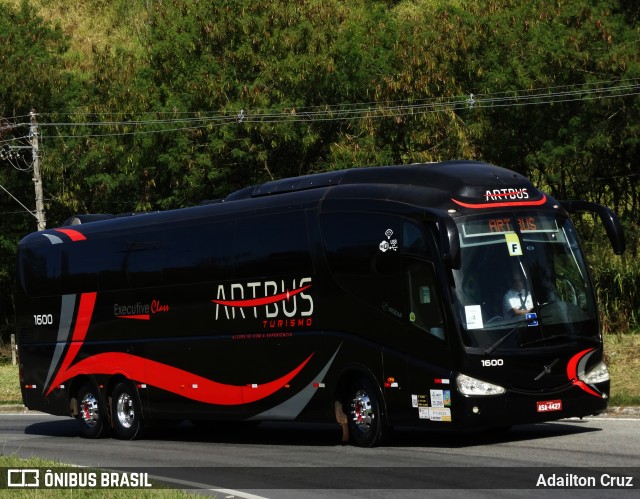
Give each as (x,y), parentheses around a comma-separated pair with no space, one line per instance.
(549,405)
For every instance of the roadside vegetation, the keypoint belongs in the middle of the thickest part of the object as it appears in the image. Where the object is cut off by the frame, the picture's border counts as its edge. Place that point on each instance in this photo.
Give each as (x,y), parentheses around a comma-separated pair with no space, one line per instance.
(621,352)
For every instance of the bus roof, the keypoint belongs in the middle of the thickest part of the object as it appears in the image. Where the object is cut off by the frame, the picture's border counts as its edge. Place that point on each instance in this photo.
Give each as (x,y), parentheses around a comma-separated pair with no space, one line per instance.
(463,179)
(451,185)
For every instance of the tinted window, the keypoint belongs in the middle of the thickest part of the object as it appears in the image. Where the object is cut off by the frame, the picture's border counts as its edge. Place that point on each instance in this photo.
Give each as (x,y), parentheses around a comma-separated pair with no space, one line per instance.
(79,271)
(198,253)
(114,260)
(109,262)
(365,252)
(40,270)
(144,259)
(272,245)
(382,260)
(363,244)
(424,297)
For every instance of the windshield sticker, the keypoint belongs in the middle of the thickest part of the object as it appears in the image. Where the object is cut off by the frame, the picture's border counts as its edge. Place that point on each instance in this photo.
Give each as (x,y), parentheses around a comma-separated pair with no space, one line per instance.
(440,414)
(437,398)
(447,398)
(422,403)
(532,319)
(513,243)
(473,315)
(440,408)
(389,244)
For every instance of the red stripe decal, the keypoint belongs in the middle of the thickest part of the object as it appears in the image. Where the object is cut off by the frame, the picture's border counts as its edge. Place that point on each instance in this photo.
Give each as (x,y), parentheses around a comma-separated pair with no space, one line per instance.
(176,380)
(501,205)
(572,366)
(586,388)
(572,372)
(154,373)
(142,317)
(256,302)
(85,312)
(74,235)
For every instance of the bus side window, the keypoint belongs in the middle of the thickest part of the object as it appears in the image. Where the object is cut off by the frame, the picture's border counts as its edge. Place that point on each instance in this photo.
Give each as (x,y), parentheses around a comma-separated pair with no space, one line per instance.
(198,252)
(40,270)
(272,246)
(425,310)
(415,239)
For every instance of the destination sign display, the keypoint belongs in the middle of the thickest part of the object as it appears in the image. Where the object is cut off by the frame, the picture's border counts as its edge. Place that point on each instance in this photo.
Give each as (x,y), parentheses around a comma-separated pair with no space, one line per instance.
(501,225)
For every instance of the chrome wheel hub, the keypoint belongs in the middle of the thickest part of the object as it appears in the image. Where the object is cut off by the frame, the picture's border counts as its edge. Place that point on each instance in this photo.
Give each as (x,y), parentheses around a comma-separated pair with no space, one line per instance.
(362,411)
(89,409)
(125,411)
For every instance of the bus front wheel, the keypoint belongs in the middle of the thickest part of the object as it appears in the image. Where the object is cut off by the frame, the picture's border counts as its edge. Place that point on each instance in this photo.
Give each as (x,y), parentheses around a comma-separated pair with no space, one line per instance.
(364,413)
(126,412)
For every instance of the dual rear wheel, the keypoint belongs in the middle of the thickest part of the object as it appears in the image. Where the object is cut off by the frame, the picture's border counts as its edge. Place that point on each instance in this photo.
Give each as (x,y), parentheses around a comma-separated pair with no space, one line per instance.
(126,412)
(362,404)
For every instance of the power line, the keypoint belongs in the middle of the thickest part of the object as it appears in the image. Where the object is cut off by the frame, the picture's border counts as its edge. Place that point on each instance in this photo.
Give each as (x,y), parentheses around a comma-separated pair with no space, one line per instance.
(354,111)
(32,213)
(10,152)
(189,121)
(547,91)
(13,139)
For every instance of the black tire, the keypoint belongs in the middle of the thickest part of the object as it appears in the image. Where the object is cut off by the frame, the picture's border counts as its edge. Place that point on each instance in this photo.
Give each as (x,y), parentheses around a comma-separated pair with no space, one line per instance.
(92,411)
(364,413)
(126,412)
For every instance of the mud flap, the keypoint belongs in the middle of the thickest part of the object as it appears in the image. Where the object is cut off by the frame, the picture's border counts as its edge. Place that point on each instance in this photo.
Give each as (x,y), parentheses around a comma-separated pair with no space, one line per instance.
(342,420)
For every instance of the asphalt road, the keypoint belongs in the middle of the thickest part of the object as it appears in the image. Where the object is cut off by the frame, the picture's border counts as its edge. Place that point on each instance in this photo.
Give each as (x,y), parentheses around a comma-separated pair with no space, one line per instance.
(288,460)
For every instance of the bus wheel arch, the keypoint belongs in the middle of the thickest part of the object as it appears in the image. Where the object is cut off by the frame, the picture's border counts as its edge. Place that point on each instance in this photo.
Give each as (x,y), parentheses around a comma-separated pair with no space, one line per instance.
(126,410)
(359,400)
(89,406)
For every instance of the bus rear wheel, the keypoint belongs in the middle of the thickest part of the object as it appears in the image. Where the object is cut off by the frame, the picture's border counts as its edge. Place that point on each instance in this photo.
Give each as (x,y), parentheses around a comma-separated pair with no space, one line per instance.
(92,411)
(126,412)
(365,413)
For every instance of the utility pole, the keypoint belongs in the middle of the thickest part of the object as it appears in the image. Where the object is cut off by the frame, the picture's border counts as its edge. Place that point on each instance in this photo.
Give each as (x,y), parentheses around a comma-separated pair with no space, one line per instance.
(37,180)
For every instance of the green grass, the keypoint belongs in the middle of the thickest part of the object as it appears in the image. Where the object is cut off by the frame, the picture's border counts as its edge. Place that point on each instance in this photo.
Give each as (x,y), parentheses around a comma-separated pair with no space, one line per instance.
(9,384)
(621,351)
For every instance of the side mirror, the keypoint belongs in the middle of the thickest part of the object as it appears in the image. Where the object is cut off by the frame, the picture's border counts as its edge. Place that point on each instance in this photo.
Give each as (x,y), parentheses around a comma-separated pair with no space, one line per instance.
(609,219)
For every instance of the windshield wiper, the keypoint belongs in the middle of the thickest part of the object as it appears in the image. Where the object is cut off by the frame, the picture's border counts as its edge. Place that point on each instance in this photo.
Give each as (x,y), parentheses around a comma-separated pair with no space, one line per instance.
(515,328)
(561,337)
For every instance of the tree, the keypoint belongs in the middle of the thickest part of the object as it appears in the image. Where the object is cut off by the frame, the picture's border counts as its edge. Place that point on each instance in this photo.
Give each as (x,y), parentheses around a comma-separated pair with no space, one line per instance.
(31,78)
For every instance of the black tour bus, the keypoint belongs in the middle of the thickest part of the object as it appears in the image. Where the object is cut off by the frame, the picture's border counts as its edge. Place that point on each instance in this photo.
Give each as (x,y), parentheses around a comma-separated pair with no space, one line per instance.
(374,297)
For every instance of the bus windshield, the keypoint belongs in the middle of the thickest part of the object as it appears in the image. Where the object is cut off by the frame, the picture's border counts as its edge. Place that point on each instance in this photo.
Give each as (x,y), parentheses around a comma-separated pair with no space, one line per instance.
(522,284)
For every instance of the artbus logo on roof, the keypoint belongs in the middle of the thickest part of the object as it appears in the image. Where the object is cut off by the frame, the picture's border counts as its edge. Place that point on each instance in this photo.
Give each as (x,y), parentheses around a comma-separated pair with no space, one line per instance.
(504,194)
(264,299)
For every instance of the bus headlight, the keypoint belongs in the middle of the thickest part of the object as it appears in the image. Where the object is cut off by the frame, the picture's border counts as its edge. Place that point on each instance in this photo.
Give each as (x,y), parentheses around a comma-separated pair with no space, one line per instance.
(598,374)
(472,386)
